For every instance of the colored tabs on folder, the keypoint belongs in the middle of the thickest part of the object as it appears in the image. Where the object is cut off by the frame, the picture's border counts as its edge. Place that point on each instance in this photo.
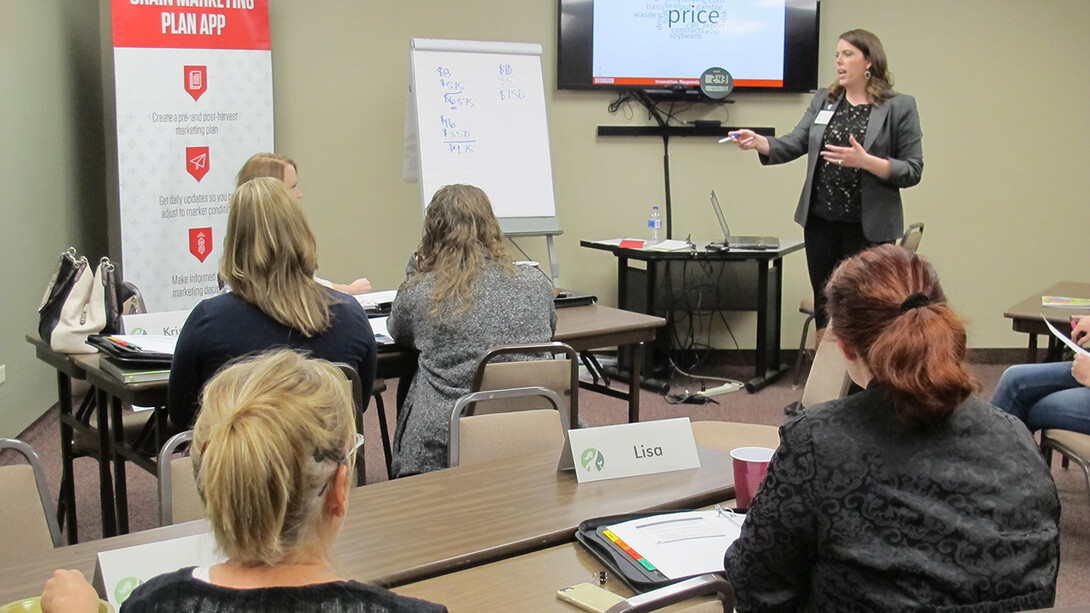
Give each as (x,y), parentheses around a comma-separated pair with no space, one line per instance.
(630,551)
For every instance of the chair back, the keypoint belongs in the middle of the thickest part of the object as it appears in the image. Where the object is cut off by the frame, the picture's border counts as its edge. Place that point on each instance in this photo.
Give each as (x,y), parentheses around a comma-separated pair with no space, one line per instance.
(558,375)
(912,237)
(828,379)
(495,435)
(359,402)
(179,500)
(727,435)
(28,516)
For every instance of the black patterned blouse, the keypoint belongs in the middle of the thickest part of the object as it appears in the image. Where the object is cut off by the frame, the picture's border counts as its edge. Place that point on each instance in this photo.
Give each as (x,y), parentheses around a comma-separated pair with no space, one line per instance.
(838,191)
(860,513)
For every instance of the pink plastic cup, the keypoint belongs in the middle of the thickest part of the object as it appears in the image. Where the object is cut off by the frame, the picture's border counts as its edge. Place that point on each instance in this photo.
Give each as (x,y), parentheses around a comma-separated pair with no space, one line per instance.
(750,466)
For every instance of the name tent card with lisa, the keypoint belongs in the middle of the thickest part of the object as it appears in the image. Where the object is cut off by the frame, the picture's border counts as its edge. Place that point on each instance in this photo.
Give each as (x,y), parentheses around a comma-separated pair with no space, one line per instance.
(478,112)
(628,450)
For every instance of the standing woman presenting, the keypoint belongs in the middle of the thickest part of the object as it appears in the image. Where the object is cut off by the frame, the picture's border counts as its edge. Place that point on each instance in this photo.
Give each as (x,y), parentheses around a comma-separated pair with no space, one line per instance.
(863,144)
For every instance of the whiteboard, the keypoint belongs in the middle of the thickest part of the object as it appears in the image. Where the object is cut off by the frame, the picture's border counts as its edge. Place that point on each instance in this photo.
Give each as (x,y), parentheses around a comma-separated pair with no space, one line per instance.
(480,119)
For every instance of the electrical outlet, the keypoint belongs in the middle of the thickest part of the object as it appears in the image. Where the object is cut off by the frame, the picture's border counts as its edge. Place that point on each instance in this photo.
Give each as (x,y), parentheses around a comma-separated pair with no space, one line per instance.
(3,372)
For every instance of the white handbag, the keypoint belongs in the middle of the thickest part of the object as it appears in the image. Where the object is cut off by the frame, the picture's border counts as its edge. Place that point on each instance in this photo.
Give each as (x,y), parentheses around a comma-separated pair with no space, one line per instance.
(82,309)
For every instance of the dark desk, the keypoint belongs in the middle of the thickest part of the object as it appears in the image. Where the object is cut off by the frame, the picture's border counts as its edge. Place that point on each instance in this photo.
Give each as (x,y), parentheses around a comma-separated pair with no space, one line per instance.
(756,284)
(410,529)
(1026,316)
(585,328)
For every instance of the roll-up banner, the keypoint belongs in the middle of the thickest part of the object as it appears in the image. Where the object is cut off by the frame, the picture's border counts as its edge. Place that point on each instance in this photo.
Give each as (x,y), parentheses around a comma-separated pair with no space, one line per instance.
(194,100)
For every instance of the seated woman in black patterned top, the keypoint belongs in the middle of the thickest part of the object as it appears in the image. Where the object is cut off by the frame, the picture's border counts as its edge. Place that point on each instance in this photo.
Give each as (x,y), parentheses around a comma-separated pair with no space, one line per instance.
(273,452)
(910,495)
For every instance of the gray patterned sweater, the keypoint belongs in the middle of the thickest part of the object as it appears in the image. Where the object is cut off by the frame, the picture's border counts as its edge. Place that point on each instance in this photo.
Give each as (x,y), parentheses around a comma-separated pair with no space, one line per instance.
(860,513)
(506,310)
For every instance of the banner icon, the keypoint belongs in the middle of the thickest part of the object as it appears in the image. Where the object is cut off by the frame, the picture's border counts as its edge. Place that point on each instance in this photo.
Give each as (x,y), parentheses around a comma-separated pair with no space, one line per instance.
(196,80)
(200,242)
(197,161)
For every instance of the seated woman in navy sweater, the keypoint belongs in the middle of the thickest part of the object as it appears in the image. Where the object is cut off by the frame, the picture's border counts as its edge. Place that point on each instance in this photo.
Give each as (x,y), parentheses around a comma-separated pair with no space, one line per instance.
(273,453)
(269,258)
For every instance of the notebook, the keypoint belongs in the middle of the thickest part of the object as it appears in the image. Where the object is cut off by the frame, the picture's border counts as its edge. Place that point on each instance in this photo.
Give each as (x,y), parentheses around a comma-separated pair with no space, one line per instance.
(741,242)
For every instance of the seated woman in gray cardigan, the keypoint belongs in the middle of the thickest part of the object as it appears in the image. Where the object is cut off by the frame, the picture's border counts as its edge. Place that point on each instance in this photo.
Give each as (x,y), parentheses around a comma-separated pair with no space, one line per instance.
(910,495)
(463,295)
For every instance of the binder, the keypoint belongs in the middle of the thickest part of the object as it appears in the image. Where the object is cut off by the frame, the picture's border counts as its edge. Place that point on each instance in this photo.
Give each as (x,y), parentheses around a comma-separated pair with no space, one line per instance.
(638,572)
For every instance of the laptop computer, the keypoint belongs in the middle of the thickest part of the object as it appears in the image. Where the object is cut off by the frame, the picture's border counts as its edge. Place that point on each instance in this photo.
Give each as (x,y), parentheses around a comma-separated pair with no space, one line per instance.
(741,242)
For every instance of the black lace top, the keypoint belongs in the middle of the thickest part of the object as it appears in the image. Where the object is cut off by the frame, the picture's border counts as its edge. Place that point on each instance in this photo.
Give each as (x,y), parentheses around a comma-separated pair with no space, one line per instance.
(837,193)
(179,592)
(860,513)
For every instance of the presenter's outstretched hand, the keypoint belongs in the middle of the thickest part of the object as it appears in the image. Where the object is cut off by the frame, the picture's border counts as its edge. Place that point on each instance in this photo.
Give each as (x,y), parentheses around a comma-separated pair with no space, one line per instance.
(748,139)
(852,156)
(67,591)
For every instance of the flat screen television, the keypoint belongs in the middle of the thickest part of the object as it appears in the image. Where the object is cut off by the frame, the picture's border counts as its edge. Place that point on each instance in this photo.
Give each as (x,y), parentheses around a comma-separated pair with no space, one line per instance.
(663,46)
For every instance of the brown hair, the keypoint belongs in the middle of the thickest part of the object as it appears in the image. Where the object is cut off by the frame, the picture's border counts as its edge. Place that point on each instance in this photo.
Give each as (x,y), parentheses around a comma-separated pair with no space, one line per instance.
(271,434)
(460,234)
(887,307)
(880,83)
(265,165)
(270,255)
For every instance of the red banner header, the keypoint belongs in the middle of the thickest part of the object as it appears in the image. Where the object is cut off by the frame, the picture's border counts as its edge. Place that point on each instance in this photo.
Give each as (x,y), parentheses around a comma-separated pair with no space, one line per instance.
(191,24)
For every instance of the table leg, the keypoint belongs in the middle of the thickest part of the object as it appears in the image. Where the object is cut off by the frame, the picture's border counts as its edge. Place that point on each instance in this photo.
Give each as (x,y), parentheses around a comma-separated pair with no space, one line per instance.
(1031,353)
(121,494)
(634,383)
(767,367)
(66,500)
(105,452)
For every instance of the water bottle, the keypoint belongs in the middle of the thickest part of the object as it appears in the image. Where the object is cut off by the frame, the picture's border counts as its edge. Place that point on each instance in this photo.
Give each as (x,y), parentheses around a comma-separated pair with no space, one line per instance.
(654,227)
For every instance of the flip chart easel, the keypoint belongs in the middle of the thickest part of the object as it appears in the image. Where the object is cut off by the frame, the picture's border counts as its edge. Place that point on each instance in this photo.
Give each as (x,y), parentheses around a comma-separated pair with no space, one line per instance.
(478,112)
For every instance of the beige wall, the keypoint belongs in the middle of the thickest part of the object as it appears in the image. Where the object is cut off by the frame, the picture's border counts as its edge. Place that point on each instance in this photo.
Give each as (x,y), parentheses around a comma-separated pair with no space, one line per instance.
(1000,84)
(50,160)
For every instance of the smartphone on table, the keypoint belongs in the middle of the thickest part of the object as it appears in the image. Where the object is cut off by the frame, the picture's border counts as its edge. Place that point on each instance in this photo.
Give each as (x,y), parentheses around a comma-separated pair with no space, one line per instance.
(589,597)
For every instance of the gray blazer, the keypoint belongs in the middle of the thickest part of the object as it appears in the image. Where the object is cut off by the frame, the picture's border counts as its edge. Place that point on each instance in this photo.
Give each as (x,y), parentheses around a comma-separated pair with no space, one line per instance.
(893,132)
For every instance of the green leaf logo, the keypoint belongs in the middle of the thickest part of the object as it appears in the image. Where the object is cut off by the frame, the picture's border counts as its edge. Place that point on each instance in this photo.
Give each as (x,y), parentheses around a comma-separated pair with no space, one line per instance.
(592,458)
(124,588)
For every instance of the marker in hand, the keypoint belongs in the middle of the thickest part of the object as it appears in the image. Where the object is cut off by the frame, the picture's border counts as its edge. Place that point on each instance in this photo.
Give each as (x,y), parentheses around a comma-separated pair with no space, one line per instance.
(729,137)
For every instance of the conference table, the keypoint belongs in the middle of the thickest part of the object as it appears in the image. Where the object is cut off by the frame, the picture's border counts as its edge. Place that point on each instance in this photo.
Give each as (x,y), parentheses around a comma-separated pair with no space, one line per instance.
(407,530)
(582,327)
(1026,315)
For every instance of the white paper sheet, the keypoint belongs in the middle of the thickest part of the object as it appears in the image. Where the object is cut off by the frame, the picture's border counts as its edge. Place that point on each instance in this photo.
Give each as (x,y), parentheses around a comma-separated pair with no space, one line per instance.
(157,343)
(682,544)
(1064,339)
(373,299)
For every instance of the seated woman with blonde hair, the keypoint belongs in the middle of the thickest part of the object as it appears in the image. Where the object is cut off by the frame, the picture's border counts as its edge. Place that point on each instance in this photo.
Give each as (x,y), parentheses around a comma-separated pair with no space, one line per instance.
(284,168)
(910,495)
(269,257)
(273,455)
(463,296)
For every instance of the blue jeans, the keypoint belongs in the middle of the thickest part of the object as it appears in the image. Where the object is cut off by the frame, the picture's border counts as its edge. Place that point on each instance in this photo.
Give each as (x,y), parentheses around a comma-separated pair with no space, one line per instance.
(1044,396)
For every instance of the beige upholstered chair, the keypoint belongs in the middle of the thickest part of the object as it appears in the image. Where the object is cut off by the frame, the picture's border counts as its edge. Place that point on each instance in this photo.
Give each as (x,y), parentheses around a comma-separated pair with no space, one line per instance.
(726,435)
(558,375)
(1073,446)
(520,429)
(178,497)
(704,585)
(27,517)
(829,377)
(909,240)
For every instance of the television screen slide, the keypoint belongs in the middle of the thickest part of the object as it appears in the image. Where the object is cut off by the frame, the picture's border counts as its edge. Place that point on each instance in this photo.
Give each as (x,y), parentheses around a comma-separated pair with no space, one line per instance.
(667,42)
